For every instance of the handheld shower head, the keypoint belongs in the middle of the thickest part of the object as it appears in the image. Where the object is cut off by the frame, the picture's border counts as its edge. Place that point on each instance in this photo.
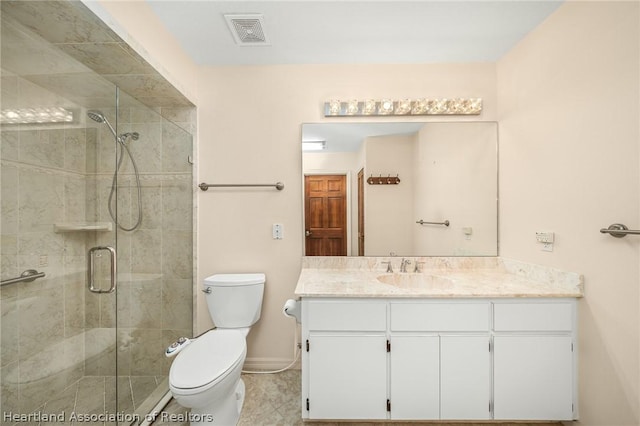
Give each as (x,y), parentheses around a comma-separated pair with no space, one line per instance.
(99,117)
(96,116)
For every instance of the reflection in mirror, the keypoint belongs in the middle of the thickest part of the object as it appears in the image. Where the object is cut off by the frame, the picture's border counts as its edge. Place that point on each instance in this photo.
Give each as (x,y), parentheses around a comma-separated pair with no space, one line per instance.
(421,177)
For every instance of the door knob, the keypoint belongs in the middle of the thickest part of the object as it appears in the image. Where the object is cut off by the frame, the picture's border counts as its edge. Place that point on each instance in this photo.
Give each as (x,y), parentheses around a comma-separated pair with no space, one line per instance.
(307,233)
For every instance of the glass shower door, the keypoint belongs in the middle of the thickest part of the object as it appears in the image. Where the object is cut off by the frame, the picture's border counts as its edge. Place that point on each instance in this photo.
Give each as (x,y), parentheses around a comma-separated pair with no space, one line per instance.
(75,342)
(58,338)
(152,221)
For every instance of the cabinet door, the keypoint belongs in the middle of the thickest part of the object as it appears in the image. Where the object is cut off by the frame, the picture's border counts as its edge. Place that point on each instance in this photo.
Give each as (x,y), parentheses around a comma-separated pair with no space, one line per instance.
(414,377)
(533,377)
(465,377)
(347,376)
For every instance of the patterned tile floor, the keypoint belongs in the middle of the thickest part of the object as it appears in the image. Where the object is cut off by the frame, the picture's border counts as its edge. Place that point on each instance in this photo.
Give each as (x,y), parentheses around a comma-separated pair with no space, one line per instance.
(274,399)
(93,395)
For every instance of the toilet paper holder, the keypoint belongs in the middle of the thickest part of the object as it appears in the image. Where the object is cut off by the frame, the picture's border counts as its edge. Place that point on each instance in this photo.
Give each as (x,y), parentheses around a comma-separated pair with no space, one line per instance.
(292,309)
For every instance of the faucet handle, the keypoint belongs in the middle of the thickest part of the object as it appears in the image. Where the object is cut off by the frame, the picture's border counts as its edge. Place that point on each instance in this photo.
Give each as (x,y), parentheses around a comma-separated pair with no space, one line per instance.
(404,263)
(389,267)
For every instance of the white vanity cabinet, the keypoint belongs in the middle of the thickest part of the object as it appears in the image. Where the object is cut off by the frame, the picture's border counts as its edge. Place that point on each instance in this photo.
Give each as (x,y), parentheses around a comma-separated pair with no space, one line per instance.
(431,359)
(439,357)
(534,360)
(345,359)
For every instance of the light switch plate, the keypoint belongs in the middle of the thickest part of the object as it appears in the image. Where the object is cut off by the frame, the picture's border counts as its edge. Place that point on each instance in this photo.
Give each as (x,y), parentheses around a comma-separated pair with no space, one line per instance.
(544,237)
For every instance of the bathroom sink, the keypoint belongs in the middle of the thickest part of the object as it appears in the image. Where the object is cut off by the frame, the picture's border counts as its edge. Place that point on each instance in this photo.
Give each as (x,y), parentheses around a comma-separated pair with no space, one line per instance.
(411,280)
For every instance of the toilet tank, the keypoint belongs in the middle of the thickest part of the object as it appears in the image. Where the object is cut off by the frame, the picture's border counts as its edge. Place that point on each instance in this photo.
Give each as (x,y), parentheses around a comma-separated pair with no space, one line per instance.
(234,300)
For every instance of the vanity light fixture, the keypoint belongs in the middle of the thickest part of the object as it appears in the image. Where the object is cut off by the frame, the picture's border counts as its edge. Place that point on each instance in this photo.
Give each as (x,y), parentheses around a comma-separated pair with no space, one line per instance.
(385,107)
(389,107)
(369,107)
(352,107)
(404,107)
(36,115)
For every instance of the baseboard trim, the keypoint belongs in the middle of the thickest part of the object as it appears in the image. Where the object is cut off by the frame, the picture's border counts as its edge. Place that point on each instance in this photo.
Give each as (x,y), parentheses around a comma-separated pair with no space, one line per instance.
(269,364)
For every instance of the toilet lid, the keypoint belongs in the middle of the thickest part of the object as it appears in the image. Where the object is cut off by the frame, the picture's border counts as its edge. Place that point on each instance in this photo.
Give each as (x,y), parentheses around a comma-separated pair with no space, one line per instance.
(207,358)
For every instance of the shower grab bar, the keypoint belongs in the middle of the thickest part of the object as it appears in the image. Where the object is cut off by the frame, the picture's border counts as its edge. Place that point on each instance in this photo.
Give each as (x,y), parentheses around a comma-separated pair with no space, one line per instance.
(27,276)
(422,222)
(90,268)
(619,230)
(204,186)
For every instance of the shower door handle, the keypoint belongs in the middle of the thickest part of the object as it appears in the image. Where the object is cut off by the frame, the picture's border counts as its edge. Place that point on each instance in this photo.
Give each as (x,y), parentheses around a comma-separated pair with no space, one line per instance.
(90,269)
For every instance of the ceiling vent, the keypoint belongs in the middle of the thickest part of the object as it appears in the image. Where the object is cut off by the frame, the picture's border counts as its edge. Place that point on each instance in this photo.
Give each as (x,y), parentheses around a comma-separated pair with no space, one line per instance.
(247,30)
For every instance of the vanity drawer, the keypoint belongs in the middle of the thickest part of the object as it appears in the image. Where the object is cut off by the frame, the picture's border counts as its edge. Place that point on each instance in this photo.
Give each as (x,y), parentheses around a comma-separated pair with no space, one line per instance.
(440,316)
(533,317)
(349,315)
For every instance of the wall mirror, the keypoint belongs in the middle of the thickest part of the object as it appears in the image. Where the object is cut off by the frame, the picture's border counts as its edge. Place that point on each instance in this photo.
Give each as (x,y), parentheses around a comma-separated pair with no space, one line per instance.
(400,189)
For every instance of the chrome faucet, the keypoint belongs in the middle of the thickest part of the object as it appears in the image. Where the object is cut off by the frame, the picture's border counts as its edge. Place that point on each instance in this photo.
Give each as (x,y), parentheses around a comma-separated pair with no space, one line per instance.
(403,265)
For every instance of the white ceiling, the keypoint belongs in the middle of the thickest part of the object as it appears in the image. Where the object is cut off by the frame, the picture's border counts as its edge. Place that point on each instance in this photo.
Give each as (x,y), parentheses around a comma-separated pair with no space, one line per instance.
(340,32)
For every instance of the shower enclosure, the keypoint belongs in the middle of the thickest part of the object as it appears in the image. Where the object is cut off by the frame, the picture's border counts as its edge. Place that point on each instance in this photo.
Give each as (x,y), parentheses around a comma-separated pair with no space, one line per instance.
(96,194)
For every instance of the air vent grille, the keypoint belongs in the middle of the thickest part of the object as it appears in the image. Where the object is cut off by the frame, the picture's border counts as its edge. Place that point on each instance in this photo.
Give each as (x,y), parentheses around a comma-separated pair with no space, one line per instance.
(247,30)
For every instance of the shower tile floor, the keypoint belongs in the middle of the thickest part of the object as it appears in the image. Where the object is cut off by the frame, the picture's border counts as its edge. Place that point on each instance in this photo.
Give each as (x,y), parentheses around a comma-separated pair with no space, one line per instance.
(274,399)
(97,395)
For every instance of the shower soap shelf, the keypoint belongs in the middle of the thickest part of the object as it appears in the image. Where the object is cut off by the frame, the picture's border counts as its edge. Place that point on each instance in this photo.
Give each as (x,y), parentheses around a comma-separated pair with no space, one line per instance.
(82,226)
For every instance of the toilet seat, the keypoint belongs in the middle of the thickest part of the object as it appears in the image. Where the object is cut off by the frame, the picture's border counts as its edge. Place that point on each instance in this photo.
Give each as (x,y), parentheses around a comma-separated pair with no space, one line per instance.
(207,361)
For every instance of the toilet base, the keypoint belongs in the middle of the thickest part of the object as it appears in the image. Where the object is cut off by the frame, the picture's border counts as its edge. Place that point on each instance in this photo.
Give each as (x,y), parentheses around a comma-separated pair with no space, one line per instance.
(221,413)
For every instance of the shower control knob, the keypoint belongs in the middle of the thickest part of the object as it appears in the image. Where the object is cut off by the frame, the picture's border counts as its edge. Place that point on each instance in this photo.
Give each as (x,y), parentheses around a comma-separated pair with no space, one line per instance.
(177,346)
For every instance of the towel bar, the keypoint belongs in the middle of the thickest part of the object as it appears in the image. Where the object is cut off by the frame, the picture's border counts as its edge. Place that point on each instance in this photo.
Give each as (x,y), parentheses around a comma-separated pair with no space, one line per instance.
(204,186)
(619,230)
(422,222)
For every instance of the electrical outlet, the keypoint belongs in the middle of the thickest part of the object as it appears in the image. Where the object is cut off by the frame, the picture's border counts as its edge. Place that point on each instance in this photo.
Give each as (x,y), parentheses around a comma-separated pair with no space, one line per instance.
(547,246)
(468,232)
(278,231)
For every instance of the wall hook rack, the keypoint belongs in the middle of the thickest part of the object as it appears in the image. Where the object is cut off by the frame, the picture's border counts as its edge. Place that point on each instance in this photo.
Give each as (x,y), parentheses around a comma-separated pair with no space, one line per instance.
(380,180)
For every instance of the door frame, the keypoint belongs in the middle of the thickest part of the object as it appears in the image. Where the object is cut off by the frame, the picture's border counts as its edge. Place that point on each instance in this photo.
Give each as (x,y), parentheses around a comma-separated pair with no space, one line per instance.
(360,212)
(347,174)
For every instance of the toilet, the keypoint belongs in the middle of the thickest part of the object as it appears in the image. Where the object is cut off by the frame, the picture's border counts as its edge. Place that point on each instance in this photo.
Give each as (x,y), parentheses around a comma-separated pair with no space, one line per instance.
(205,375)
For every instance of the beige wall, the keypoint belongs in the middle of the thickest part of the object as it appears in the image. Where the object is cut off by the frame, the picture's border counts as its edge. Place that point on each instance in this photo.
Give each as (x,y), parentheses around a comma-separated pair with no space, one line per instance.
(250,130)
(389,208)
(569,163)
(455,180)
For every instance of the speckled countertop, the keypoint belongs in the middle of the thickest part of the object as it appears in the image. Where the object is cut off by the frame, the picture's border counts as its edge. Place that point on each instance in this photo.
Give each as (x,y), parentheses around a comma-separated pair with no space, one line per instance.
(440,277)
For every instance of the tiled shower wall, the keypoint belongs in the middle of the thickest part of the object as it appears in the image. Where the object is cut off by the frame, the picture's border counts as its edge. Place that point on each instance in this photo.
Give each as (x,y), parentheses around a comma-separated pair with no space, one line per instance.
(43,183)
(61,175)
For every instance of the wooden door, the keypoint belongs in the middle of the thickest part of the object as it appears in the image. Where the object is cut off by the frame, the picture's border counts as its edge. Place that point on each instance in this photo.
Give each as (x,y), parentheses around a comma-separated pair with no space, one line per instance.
(361,212)
(325,215)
